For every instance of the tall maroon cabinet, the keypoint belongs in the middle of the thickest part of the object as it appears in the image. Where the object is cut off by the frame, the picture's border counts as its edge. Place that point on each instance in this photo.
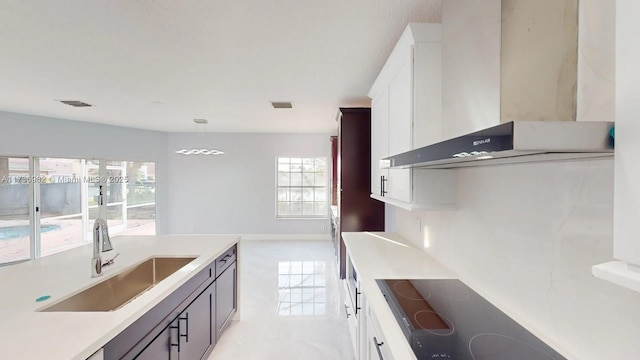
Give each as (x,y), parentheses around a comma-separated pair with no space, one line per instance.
(357,210)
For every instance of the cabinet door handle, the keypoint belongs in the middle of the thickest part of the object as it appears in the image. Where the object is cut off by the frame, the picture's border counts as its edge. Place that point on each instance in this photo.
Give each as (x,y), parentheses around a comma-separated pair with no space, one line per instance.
(346,310)
(357,296)
(177,327)
(186,333)
(378,345)
(383,181)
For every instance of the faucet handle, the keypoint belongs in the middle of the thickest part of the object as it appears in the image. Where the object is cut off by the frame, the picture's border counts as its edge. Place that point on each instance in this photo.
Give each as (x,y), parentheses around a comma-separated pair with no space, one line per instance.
(111,261)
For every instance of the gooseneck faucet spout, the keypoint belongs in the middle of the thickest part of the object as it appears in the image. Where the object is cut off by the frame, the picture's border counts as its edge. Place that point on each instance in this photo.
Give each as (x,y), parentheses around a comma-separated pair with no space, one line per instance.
(101,243)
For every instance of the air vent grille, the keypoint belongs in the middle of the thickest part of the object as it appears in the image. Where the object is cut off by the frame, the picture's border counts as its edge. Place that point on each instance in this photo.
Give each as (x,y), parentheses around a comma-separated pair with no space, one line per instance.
(75,103)
(281,104)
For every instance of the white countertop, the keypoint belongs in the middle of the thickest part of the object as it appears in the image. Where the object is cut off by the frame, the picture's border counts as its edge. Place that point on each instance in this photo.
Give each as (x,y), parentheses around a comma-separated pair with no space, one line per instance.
(380,255)
(29,334)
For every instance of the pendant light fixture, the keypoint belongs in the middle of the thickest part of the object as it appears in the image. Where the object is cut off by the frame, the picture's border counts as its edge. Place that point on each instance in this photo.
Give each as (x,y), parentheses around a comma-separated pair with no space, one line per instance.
(201,127)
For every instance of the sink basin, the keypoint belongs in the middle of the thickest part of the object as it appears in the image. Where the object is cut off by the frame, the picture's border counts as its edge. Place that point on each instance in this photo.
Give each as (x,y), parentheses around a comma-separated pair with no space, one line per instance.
(118,290)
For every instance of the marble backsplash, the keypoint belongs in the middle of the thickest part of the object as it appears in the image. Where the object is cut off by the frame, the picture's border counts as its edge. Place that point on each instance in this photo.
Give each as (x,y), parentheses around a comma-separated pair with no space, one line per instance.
(525,236)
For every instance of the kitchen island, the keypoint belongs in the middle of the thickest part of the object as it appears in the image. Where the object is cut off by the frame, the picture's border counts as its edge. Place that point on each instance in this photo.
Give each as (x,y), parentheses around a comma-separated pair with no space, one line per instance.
(31,334)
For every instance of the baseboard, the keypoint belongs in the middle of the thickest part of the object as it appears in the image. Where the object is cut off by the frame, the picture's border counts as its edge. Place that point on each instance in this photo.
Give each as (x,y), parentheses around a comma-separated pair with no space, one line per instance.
(323,237)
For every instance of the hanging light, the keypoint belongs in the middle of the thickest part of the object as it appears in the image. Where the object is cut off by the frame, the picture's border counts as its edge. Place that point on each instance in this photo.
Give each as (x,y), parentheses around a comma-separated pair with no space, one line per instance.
(201,127)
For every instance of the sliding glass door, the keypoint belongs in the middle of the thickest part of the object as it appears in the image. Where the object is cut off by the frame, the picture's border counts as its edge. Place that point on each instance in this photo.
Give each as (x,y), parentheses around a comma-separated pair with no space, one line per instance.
(61,204)
(48,205)
(15,217)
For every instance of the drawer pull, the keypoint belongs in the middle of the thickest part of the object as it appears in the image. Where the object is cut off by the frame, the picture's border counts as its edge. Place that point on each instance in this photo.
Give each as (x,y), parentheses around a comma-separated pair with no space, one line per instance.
(378,345)
(177,327)
(186,333)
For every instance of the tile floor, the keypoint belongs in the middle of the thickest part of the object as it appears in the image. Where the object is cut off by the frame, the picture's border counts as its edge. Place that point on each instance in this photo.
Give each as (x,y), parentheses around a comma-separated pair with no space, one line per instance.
(290,305)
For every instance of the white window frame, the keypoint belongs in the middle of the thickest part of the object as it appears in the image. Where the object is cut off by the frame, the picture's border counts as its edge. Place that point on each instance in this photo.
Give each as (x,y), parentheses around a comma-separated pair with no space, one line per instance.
(325,186)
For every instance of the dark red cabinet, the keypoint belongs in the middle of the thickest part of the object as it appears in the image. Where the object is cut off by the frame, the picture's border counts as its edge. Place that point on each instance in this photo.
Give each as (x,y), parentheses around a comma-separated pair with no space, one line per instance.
(357,210)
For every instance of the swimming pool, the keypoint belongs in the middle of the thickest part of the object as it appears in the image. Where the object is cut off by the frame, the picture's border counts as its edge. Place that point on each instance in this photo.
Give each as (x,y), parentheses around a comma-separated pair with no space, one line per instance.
(12,232)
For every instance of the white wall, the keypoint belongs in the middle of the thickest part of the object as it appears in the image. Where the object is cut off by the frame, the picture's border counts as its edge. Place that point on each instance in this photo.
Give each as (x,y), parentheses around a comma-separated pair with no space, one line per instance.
(525,236)
(470,65)
(29,135)
(596,60)
(235,193)
(627,193)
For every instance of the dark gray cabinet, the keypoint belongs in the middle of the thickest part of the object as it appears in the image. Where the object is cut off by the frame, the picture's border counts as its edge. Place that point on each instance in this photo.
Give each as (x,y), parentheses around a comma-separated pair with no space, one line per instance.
(160,348)
(188,322)
(196,334)
(226,297)
(190,335)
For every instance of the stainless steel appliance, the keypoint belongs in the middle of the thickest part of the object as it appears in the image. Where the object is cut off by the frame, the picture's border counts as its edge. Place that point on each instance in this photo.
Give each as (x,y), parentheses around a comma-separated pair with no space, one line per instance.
(445,319)
(513,142)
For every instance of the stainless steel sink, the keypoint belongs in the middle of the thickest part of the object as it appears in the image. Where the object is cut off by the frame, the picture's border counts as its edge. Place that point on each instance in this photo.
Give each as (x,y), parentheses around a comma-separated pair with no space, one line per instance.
(118,290)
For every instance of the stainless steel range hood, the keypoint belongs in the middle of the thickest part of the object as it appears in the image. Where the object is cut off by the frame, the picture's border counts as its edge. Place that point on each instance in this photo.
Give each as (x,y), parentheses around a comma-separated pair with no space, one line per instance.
(513,142)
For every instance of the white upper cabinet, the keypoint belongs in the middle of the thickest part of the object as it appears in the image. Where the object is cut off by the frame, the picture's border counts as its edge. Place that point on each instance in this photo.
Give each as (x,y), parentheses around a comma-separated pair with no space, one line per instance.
(406,111)
(379,149)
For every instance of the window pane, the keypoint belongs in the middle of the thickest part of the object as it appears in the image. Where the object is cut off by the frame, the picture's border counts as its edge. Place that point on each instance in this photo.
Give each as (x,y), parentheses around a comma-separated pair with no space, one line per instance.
(296,165)
(296,209)
(308,208)
(296,179)
(139,187)
(308,179)
(283,194)
(283,208)
(320,165)
(321,208)
(307,194)
(283,179)
(320,179)
(61,205)
(283,165)
(321,194)
(307,164)
(296,194)
(15,233)
(141,220)
(114,215)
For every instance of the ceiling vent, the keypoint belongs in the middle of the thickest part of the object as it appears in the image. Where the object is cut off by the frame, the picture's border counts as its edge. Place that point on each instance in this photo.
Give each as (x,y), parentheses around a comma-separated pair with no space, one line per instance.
(75,103)
(282,105)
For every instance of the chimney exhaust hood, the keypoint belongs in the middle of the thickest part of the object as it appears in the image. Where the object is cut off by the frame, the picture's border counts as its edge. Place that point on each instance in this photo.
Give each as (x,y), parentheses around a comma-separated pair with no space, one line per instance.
(513,142)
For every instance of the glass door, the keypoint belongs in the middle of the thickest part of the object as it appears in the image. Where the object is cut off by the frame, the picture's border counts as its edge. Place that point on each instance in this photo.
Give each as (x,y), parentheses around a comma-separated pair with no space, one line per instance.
(15,217)
(61,198)
(116,184)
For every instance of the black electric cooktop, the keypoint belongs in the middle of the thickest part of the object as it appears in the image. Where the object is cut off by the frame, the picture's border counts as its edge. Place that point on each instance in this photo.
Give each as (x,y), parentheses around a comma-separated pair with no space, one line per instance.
(445,319)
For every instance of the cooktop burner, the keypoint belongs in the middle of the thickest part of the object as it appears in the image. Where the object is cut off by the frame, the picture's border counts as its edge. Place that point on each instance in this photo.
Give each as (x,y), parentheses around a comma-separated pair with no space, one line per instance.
(445,319)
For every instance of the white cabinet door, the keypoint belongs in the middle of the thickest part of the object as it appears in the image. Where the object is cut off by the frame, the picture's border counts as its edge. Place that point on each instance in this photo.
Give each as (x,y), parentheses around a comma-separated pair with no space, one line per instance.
(376,347)
(408,95)
(401,129)
(400,102)
(352,321)
(379,139)
(427,96)
(398,186)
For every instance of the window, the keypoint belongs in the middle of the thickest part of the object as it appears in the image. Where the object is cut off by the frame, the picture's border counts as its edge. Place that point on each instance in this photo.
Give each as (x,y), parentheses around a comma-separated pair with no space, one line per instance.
(66,193)
(302,188)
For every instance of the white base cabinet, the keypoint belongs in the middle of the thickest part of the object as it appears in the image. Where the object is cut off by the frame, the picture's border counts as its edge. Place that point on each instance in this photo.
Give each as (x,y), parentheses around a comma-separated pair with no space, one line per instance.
(376,346)
(352,320)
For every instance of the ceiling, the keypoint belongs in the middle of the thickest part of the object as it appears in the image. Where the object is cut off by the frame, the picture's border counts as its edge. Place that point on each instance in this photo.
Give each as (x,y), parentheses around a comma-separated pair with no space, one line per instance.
(160,64)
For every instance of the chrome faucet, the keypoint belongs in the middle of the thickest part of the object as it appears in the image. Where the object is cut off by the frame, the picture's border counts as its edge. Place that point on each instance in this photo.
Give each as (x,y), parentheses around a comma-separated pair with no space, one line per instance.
(101,243)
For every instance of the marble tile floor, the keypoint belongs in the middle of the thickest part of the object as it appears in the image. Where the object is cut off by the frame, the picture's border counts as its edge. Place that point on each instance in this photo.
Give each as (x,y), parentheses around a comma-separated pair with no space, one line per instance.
(290,305)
